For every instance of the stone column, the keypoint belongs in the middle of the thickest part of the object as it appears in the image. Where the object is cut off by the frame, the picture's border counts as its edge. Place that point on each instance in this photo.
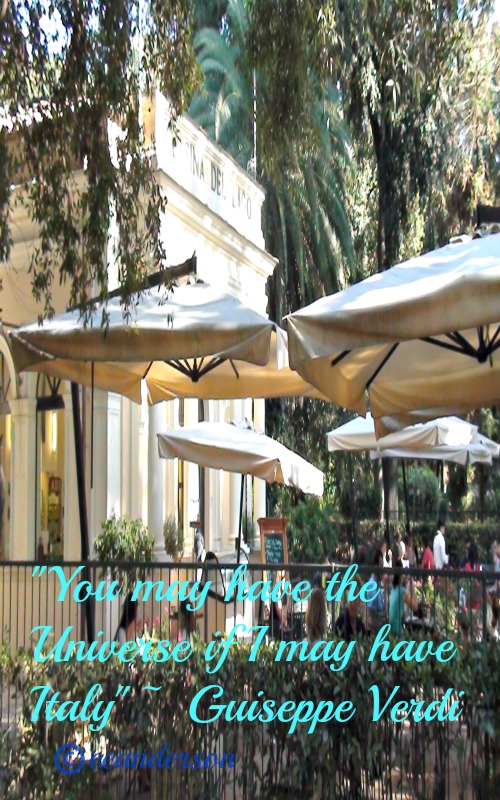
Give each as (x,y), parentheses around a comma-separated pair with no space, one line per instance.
(99,490)
(142,468)
(213,533)
(156,480)
(126,460)
(170,466)
(259,486)
(237,415)
(114,455)
(134,488)
(191,480)
(24,477)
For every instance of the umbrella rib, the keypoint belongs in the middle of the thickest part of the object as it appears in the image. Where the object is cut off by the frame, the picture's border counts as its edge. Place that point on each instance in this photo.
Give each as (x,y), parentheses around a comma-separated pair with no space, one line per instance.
(466,346)
(187,366)
(147,370)
(215,362)
(494,339)
(339,358)
(234,368)
(179,366)
(480,336)
(196,371)
(447,346)
(382,364)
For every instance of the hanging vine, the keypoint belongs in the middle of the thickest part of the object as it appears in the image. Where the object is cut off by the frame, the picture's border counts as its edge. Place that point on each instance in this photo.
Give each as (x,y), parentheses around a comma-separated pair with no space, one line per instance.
(72,146)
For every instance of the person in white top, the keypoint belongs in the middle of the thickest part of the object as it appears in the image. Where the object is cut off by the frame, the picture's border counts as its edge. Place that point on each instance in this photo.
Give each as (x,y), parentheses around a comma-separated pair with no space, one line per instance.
(440,556)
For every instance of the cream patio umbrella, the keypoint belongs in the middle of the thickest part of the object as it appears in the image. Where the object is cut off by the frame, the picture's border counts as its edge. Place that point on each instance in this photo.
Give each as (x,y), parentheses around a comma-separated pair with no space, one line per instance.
(416,341)
(194,331)
(239,448)
(445,439)
(194,342)
(475,452)
(233,378)
(359,434)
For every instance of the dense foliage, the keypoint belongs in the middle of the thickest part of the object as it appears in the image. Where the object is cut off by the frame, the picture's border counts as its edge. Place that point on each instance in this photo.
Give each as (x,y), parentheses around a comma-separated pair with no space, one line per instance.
(422,109)
(373,143)
(71,141)
(423,116)
(123,540)
(378,759)
(301,158)
(312,532)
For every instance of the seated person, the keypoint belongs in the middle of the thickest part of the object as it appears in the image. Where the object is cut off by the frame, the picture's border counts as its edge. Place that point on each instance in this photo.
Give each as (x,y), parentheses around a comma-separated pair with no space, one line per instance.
(128,629)
(376,606)
(182,622)
(349,625)
(277,623)
(316,617)
(278,628)
(186,621)
(474,593)
(320,578)
(398,599)
(411,553)
(465,557)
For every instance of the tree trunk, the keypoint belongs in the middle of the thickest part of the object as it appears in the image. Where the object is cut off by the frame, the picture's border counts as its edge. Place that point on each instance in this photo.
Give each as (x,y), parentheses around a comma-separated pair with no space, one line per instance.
(388,228)
(378,484)
(390,481)
(482,477)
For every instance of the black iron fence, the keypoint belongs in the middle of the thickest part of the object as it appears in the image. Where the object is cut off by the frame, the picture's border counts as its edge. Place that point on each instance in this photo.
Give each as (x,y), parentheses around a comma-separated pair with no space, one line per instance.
(446,602)
(46,607)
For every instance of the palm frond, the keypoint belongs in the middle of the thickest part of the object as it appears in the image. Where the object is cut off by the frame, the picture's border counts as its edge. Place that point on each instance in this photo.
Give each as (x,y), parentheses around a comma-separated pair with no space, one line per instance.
(306,225)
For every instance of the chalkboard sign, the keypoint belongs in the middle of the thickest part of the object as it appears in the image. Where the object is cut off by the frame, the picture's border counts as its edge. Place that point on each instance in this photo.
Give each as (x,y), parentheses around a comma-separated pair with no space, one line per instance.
(273,540)
(274,548)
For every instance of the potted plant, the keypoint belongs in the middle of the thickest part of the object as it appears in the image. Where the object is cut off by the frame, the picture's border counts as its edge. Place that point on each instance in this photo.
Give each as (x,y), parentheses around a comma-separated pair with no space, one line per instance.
(124,539)
(174,538)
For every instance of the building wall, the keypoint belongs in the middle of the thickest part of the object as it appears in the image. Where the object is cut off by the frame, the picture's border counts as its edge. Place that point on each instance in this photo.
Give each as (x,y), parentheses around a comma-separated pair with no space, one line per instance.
(214,209)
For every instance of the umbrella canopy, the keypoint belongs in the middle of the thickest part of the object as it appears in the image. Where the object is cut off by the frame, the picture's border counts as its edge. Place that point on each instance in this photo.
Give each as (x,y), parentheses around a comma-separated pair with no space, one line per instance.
(447,439)
(194,342)
(233,379)
(221,445)
(359,434)
(475,452)
(422,335)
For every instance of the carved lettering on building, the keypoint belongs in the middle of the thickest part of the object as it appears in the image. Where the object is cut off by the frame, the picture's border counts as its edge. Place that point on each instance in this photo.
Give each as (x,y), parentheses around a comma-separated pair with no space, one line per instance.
(222,184)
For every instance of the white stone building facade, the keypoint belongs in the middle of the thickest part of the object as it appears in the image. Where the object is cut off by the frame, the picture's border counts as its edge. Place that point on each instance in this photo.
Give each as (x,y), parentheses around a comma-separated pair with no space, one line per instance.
(214,209)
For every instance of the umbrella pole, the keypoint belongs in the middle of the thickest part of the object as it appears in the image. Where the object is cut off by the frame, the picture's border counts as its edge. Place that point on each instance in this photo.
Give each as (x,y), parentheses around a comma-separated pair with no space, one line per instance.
(353,518)
(240,525)
(405,489)
(386,502)
(82,502)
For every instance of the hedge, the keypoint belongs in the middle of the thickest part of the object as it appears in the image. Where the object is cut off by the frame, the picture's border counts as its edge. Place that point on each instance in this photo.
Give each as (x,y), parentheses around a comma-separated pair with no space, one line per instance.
(457,535)
(361,758)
